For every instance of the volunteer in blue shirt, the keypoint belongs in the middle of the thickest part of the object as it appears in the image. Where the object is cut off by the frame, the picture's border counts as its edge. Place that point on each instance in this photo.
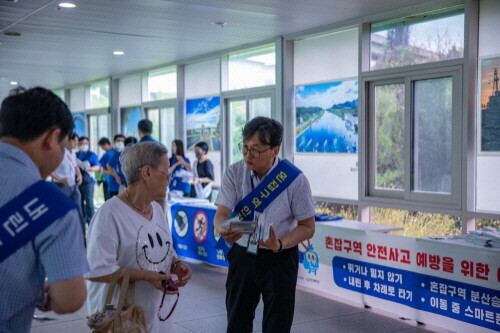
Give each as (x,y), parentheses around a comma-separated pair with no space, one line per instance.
(179,162)
(34,128)
(145,128)
(269,269)
(89,164)
(105,145)
(118,146)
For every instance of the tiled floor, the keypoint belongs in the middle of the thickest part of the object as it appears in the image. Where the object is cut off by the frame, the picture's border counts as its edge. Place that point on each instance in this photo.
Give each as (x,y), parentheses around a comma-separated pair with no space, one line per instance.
(201,308)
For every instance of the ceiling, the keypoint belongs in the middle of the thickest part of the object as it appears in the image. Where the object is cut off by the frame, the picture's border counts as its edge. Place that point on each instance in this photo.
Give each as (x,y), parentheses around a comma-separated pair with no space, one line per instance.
(60,47)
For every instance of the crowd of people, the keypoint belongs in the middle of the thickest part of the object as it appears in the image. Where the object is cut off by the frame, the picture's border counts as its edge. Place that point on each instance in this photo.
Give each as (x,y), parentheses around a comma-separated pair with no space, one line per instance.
(72,253)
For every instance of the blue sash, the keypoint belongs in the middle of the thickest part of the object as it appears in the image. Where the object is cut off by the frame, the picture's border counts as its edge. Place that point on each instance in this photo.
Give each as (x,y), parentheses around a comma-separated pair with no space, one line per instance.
(28,214)
(261,196)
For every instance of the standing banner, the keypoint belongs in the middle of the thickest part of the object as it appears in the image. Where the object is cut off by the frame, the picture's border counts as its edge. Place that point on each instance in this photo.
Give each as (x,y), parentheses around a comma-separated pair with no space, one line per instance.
(452,284)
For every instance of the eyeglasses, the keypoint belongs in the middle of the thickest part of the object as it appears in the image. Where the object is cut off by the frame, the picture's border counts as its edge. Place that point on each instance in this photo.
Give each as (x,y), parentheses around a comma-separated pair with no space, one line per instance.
(253,152)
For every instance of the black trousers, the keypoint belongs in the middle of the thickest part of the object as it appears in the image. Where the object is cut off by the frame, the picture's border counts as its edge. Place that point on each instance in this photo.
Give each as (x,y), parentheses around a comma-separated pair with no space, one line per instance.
(272,275)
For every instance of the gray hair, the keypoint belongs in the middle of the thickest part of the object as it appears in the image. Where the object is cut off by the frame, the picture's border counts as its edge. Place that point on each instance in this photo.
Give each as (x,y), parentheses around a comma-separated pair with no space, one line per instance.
(133,158)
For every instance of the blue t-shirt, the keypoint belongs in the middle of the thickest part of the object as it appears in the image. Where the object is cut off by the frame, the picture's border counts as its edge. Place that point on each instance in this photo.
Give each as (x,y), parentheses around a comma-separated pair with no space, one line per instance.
(173,160)
(114,162)
(148,138)
(103,161)
(93,160)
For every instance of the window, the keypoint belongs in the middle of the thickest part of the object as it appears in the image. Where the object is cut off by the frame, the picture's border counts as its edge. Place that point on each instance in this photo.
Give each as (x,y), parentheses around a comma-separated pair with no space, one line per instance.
(348,212)
(99,95)
(162,84)
(413,142)
(252,68)
(59,93)
(417,224)
(163,120)
(98,129)
(417,39)
(242,110)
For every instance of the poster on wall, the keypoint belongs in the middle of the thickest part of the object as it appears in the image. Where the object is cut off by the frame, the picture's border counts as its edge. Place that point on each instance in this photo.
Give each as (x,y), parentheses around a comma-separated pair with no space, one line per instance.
(327,117)
(130,119)
(79,123)
(203,122)
(490,105)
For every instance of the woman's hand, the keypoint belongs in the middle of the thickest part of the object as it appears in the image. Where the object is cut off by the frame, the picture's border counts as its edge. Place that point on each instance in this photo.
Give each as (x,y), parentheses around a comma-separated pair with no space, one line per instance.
(196,180)
(183,272)
(156,280)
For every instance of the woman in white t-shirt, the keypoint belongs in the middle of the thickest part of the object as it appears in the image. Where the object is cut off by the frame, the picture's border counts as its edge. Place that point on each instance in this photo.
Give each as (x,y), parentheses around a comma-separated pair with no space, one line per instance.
(131,231)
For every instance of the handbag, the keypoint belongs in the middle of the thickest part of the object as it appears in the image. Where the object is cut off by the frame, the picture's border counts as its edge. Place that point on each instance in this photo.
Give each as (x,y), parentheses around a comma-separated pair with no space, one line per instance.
(122,318)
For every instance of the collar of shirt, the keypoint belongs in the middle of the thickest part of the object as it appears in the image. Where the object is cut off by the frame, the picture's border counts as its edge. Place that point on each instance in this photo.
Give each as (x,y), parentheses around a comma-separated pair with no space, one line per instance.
(12,152)
(253,177)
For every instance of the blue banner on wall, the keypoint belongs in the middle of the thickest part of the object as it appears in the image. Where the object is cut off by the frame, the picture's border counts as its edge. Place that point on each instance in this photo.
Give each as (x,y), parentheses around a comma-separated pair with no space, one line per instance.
(461,301)
(194,235)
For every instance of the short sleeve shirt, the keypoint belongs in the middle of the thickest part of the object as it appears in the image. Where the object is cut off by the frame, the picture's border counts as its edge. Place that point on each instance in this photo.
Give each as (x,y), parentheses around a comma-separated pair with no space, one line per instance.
(57,252)
(294,204)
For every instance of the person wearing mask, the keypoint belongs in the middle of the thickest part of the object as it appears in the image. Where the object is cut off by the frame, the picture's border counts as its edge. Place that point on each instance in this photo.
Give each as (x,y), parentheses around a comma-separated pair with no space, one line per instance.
(179,162)
(89,163)
(105,145)
(34,128)
(266,263)
(203,172)
(67,175)
(133,220)
(145,128)
(114,166)
(118,146)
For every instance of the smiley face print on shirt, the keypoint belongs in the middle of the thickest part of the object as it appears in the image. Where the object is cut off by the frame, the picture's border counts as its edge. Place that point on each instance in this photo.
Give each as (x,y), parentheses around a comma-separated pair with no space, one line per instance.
(153,248)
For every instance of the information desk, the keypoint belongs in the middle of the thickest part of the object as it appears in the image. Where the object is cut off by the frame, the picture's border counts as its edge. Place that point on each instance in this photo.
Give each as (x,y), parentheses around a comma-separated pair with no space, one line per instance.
(452,284)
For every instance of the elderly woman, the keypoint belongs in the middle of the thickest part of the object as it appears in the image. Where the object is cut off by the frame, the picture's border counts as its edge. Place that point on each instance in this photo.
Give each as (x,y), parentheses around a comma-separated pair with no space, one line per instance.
(131,231)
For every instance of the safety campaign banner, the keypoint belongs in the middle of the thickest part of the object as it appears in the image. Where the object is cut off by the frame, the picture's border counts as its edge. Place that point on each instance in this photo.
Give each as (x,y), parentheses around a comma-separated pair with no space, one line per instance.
(451,284)
(194,234)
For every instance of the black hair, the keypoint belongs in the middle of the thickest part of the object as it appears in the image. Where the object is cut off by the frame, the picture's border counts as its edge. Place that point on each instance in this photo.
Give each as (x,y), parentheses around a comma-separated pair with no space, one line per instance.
(145,126)
(73,136)
(26,114)
(130,141)
(118,136)
(179,147)
(83,138)
(203,145)
(270,131)
(104,141)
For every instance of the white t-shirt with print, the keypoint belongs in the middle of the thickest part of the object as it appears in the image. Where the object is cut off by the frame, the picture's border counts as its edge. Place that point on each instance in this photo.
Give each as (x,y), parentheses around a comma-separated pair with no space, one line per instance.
(120,237)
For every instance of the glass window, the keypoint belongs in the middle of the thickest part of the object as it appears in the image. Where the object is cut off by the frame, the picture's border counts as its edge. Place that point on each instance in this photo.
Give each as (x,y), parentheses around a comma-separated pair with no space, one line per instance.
(98,130)
(163,120)
(59,93)
(418,39)
(417,224)
(481,223)
(348,212)
(130,119)
(260,107)
(162,84)
(252,68)
(99,95)
(238,118)
(389,135)
(432,135)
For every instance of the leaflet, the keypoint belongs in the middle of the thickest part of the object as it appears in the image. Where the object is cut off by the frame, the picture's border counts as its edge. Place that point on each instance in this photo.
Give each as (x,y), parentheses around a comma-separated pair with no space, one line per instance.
(245,227)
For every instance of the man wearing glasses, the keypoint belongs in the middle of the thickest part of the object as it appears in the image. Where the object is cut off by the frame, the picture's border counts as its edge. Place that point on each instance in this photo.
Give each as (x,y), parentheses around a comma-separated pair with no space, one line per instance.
(266,262)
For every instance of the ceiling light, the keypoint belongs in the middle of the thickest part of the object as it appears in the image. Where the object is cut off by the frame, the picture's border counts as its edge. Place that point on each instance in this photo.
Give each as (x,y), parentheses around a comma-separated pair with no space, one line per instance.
(13,83)
(119,53)
(67,5)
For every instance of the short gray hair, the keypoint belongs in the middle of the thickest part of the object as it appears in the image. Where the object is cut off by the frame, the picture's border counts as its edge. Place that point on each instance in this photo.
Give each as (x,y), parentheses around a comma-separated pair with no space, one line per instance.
(133,158)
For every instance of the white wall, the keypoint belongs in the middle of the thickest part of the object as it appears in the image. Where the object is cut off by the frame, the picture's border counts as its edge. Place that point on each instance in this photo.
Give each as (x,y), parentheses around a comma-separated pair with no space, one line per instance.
(202,79)
(129,91)
(327,59)
(488,167)
(77,99)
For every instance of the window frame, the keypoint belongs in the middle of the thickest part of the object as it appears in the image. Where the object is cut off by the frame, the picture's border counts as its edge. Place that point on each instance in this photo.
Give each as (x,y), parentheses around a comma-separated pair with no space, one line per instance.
(407,197)
(166,104)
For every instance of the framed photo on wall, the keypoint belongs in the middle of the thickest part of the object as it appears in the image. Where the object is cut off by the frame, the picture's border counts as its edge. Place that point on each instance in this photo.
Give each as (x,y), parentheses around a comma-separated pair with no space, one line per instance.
(130,117)
(489,106)
(203,122)
(327,117)
(80,125)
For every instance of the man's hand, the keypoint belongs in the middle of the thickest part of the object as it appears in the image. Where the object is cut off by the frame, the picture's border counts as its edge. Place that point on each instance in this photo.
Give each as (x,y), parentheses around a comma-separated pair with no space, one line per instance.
(272,242)
(230,236)
(79,179)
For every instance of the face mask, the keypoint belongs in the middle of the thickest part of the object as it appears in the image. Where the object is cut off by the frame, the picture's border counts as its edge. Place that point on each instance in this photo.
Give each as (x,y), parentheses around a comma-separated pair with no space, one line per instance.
(84,147)
(198,154)
(119,145)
